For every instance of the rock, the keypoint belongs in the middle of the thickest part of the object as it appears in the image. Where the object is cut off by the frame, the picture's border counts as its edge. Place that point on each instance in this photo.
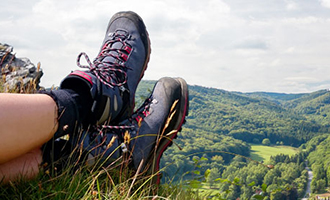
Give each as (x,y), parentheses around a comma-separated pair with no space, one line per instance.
(18,74)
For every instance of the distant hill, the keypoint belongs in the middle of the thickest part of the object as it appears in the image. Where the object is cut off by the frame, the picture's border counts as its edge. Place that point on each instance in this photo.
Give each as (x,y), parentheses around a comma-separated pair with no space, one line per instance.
(314,106)
(288,118)
(275,97)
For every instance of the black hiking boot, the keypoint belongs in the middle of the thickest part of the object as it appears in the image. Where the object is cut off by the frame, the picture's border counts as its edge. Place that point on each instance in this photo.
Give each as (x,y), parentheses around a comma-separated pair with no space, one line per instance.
(145,136)
(111,81)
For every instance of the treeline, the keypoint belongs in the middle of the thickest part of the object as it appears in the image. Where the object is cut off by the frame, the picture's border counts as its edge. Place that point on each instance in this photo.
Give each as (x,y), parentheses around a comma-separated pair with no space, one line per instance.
(316,107)
(319,162)
(247,118)
(218,151)
(221,124)
(286,178)
(291,119)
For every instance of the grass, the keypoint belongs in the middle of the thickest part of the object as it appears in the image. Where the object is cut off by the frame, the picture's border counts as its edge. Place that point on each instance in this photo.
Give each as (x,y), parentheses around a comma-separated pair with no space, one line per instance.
(79,181)
(87,184)
(98,181)
(82,182)
(263,153)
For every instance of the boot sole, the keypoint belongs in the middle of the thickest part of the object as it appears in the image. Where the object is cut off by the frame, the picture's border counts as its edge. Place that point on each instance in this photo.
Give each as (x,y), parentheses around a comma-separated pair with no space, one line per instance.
(166,142)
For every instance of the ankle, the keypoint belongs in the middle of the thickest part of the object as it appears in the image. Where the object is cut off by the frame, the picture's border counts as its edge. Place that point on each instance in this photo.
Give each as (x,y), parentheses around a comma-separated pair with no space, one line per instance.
(69,111)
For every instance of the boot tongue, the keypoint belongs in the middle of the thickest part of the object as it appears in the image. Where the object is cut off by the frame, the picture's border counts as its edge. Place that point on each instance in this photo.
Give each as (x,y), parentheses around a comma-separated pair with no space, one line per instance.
(113,53)
(114,58)
(119,50)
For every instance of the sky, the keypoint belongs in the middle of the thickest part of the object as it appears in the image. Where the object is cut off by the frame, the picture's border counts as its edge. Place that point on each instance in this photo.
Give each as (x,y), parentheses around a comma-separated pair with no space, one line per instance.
(235,45)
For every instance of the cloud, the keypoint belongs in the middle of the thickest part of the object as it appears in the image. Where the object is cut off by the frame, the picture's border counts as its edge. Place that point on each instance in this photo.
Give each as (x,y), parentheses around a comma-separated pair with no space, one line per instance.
(252,43)
(230,44)
(291,5)
(325,3)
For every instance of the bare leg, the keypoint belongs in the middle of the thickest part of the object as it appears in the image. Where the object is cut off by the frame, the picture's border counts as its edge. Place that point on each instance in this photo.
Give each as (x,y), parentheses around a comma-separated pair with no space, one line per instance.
(27,121)
(25,166)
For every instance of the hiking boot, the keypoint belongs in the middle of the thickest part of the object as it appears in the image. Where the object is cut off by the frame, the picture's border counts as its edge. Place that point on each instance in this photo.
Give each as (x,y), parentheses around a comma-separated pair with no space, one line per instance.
(145,136)
(113,76)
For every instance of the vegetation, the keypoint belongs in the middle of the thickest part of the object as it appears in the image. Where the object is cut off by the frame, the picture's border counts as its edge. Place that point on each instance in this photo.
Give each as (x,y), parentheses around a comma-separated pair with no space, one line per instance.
(319,160)
(263,153)
(82,182)
(218,123)
(221,152)
(283,180)
(266,142)
(248,119)
(289,119)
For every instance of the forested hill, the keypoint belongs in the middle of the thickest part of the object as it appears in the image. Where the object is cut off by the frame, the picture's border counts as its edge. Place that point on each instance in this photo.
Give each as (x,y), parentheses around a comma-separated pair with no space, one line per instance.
(291,119)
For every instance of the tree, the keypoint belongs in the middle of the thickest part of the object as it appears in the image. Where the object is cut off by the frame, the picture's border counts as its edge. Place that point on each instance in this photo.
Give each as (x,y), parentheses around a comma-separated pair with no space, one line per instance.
(276,195)
(246,192)
(318,171)
(269,177)
(214,174)
(317,186)
(266,142)
(328,175)
(256,141)
(218,159)
(291,193)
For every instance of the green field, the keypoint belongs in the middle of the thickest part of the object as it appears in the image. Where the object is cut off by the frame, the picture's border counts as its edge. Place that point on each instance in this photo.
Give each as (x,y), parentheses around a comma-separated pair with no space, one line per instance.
(263,153)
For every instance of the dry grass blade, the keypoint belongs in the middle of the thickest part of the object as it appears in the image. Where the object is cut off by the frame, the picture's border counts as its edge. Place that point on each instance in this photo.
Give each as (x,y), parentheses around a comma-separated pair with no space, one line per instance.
(135,177)
(38,66)
(172,132)
(174,104)
(169,118)
(127,137)
(113,139)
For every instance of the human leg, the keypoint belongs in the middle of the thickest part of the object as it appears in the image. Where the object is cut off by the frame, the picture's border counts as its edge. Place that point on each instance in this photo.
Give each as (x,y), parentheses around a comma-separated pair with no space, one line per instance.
(108,90)
(26,122)
(25,166)
(52,157)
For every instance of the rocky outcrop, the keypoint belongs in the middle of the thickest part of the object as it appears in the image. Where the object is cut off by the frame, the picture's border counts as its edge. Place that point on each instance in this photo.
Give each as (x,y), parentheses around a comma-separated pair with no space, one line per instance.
(18,74)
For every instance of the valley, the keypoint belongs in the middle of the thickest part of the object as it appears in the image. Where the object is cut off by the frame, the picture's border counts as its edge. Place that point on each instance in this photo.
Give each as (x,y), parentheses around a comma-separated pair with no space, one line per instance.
(225,130)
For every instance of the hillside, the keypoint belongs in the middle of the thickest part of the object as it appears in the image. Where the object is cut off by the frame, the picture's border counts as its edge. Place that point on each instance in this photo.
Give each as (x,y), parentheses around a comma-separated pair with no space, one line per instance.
(278,98)
(215,153)
(289,118)
(220,146)
(314,106)
(221,124)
